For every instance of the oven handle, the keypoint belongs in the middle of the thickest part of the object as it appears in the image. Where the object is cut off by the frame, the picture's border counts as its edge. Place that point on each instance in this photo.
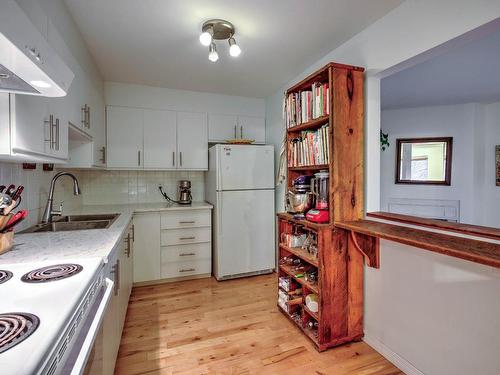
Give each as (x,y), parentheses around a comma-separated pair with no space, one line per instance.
(88,343)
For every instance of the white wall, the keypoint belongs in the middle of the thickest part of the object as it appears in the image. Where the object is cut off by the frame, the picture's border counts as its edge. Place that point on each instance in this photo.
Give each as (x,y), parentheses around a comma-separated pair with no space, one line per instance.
(457,121)
(414,27)
(129,95)
(475,129)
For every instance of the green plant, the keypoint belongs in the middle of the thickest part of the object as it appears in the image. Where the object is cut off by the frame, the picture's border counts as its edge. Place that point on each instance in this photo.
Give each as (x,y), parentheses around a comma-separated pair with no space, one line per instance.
(384,140)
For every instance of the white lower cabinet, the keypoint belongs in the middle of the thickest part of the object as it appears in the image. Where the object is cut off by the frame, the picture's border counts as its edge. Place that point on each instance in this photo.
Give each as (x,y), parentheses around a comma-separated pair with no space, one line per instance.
(171,245)
(147,247)
(120,270)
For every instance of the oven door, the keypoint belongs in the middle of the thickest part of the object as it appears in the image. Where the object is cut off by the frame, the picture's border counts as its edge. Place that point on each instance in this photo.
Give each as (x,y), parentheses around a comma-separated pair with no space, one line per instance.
(88,349)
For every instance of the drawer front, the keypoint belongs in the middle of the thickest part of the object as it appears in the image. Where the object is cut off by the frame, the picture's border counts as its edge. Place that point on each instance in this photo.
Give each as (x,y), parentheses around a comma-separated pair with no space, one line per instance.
(184,236)
(182,253)
(188,268)
(185,219)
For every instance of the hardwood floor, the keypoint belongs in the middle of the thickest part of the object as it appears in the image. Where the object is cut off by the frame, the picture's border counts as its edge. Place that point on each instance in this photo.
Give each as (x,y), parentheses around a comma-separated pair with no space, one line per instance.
(231,327)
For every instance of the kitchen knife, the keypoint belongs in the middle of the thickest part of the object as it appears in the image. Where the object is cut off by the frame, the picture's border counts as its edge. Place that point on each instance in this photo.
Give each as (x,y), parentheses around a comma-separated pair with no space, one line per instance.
(10,189)
(17,194)
(16,219)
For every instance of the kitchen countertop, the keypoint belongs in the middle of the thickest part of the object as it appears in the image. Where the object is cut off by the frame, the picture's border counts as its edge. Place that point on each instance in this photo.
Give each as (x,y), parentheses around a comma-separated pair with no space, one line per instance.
(37,247)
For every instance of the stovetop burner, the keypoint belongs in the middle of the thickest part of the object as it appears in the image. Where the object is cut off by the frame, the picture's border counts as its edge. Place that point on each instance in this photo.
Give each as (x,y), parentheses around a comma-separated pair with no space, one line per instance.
(5,276)
(51,273)
(16,327)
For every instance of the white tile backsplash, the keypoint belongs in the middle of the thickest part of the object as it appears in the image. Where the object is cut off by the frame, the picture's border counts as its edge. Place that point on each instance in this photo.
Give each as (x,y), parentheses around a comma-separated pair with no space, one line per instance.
(122,187)
(98,187)
(36,187)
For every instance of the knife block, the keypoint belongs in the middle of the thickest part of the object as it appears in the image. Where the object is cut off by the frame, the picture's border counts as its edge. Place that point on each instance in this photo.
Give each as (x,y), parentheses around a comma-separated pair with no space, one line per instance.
(6,239)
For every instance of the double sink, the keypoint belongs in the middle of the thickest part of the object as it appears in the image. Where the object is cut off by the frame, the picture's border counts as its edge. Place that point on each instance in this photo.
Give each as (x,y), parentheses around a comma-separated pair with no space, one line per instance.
(75,222)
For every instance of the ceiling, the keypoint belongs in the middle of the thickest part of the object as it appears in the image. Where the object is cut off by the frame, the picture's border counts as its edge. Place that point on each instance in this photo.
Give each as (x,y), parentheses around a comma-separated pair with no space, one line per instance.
(155,42)
(465,74)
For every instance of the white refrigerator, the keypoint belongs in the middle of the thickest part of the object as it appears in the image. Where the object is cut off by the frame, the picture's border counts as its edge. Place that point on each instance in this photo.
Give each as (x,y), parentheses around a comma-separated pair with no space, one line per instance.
(240,185)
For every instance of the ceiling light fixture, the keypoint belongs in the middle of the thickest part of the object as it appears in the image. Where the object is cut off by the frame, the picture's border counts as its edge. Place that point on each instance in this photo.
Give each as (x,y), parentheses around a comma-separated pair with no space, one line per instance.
(213,56)
(218,29)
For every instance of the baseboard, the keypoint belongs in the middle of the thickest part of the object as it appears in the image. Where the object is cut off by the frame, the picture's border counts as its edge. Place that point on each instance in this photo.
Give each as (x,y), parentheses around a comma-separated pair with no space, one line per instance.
(392,356)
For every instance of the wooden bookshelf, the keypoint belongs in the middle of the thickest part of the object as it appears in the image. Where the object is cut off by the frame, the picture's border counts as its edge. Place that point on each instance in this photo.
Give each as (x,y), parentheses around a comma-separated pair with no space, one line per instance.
(339,265)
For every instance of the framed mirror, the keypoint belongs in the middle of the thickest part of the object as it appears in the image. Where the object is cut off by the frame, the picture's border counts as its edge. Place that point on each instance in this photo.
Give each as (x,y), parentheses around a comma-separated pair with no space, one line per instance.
(424,161)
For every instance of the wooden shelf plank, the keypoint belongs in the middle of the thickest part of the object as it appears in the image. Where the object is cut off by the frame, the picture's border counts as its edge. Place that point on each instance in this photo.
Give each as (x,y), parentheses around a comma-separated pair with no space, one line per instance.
(313,124)
(482,252)
(309,167)
(309,312)
(300,280)
(473,230)
(308,224)
(302,254)
(306,331)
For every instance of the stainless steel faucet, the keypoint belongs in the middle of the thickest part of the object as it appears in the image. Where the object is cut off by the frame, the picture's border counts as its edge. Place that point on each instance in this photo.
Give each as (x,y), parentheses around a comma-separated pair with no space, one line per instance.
(49,211)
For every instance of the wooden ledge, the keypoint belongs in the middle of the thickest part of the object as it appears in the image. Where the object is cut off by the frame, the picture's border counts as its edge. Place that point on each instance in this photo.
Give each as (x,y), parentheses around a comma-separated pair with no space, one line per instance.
(473,230)
(464,248)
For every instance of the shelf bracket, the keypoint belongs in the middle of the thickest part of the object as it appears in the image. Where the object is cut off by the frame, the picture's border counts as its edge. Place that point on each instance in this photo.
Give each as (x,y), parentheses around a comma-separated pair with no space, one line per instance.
(369,246)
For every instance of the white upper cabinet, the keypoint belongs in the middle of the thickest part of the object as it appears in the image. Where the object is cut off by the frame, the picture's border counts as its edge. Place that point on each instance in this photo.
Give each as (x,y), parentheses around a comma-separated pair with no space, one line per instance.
(156,139)
(124,137)
(160,139)
(192,140)
(252,128)
(224,127)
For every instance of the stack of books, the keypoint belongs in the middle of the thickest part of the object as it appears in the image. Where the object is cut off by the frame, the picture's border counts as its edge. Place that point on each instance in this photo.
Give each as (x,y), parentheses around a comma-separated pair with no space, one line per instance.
(310,148)
(307,105)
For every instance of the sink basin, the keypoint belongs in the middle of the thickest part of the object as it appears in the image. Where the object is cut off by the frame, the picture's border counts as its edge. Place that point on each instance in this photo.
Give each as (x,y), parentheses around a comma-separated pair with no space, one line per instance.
(74,222)
(79,218)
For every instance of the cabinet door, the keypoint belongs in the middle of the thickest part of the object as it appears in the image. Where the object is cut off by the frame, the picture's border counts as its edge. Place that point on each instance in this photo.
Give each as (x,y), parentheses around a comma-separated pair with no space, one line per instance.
(222,127)
(29,123)
(97,129)
(58,109)
(160,139)
(192,140)
(252,128)
(147,247)
(111,331)
(125,142)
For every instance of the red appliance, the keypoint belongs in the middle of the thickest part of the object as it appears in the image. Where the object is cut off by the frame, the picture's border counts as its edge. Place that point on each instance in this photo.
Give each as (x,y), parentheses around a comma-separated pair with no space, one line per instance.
(318,216)
(319,187)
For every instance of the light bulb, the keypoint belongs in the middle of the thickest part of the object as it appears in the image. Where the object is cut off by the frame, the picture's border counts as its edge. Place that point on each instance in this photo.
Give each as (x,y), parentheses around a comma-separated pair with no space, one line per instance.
(213,56)
(234,49)
(206,36)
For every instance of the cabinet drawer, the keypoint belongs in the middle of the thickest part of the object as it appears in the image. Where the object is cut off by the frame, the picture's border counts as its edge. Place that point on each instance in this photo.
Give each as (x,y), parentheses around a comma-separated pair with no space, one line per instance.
(188,268)
(184,236)
(180,253)
(185,219)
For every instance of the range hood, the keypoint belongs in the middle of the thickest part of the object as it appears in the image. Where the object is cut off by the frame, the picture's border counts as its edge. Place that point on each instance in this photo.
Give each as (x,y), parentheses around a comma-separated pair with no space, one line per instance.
(28,64)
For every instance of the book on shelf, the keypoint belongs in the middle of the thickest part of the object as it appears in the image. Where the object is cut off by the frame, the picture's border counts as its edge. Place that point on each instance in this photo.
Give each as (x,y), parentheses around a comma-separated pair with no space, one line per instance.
(307,105)
(310,148)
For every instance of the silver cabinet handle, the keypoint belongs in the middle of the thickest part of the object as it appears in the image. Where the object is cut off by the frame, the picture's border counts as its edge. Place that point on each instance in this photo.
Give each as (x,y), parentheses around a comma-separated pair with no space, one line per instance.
(186,254)
(187,222)
(139,157)
(188,270)
(241,132)
(88,117)
(187,238)
(103,159)
(57,135)
(50,122)
(234,131)
(133,233)
(180,158)
(173,158)
(115,270)
(127,251)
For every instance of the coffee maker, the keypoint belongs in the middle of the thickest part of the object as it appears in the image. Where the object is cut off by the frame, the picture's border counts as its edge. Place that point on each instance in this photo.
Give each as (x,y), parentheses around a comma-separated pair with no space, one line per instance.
(185,192)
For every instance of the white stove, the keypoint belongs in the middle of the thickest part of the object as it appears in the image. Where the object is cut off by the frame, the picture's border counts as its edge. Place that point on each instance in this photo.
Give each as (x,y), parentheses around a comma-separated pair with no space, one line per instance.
(49,313)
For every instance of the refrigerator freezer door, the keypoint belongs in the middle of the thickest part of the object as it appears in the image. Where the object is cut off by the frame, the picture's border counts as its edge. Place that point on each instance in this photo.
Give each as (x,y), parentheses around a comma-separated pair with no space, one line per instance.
(245,232)
(243,167)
